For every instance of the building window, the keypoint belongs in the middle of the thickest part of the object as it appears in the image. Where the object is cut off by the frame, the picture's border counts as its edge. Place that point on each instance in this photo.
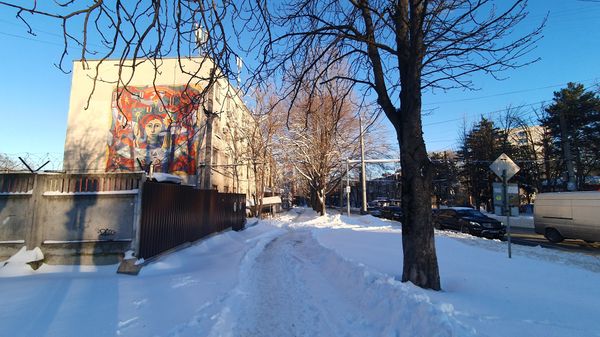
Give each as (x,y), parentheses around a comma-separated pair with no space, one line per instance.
(215,159)
(218,92)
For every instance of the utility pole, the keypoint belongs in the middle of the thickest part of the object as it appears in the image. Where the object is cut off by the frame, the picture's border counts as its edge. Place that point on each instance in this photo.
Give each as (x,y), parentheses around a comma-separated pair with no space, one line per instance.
(201,38)
(363,175)
(506,210)
(348,186)
(208,153)
(566,147)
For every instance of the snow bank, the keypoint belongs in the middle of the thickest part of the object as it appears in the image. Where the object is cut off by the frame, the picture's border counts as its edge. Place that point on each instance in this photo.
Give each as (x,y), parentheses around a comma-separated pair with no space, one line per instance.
(17,265)
(539,292)
(522,221)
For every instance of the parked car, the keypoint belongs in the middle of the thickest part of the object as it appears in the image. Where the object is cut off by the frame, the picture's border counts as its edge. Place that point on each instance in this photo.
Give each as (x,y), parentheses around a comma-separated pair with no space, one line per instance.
(468,220)
(572,215)
(374,211)
(392,213)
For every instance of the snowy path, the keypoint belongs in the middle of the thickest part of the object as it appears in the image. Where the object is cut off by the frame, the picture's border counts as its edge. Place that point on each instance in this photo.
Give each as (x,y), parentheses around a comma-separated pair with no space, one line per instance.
(299,288)
(284,300)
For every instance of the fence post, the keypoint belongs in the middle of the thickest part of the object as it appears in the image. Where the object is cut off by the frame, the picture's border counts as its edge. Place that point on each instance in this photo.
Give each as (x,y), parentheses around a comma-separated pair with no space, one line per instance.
(137,219)
(35,236)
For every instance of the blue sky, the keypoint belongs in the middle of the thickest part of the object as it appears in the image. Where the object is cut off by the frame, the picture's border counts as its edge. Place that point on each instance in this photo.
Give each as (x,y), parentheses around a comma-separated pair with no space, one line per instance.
(35,94)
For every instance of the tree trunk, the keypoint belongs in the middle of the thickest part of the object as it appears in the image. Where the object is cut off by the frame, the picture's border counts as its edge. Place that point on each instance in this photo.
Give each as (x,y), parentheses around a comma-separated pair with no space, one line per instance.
(321,200)
(313,199)
(420,259)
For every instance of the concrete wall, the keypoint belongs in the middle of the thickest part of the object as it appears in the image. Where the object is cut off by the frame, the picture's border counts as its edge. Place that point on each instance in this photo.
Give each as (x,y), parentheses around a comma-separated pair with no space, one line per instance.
(72,218)
(14,218)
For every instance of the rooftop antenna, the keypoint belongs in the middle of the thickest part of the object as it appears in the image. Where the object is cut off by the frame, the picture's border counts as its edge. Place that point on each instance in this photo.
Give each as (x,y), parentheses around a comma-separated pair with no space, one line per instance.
(201,35)
(240,64)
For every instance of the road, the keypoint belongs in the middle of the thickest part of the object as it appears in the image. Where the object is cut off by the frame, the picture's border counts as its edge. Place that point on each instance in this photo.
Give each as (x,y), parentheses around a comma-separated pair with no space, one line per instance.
(528,237)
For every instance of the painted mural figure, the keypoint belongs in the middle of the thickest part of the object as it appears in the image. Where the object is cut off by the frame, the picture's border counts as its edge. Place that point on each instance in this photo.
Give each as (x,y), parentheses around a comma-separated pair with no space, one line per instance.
(151,143)
(153,127)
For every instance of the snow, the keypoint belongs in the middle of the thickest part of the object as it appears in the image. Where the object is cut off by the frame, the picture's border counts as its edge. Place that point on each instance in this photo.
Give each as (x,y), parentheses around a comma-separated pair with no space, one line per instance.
(522,221)
(166,177)
(58,193)
(30,192)
(305,275)
(50,242)
(17,264)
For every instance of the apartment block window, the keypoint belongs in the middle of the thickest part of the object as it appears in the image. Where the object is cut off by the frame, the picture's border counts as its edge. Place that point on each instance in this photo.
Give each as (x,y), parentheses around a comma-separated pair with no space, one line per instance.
(215,159)
(218,92)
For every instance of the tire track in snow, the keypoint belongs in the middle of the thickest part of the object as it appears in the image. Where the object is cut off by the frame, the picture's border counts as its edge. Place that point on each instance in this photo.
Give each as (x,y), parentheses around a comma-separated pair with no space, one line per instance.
(296,287)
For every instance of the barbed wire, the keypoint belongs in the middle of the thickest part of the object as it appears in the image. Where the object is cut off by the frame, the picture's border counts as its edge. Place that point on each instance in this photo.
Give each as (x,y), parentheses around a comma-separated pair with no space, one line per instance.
(19,162)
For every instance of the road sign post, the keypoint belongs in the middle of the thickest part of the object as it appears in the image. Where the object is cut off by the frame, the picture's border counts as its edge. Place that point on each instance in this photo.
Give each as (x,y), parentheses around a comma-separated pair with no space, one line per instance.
(505,169)
(506,210)
(348,190)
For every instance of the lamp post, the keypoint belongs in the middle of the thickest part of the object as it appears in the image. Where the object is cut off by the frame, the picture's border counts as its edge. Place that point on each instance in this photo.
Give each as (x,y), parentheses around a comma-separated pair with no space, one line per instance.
(363,175)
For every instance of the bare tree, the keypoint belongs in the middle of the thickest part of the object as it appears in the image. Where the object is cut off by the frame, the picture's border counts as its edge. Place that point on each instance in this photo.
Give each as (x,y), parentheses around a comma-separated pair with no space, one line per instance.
(322,132)
(395,50)
(527,140)
(261,134)
(7,163)
(134,32)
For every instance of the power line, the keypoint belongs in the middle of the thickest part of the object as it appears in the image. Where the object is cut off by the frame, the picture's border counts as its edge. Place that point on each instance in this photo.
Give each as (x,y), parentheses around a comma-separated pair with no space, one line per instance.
(31,39)
(34,29)
(487,113)
(502,110)
(513,92)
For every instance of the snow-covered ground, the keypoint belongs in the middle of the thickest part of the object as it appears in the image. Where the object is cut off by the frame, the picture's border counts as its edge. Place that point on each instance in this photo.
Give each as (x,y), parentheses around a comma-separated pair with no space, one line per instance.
(521,221)
(303,275)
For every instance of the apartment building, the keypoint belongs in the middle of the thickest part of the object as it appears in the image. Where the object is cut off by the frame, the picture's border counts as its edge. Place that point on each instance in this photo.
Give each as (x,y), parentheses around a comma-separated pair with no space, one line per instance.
(159,117)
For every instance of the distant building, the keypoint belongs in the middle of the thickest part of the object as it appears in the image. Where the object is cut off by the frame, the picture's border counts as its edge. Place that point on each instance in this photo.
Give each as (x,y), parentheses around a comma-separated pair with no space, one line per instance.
(528,135)
(154,121)
(388,186)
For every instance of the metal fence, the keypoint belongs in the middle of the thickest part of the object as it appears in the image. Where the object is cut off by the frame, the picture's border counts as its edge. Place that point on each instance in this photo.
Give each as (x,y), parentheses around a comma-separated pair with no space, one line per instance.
(174,214)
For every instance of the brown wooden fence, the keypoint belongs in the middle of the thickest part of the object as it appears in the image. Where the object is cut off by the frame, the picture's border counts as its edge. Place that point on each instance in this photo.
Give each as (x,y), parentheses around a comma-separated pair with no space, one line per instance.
(175,214)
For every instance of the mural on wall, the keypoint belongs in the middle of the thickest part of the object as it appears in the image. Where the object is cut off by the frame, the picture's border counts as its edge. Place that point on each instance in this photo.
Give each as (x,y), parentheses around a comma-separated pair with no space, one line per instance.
(155,128)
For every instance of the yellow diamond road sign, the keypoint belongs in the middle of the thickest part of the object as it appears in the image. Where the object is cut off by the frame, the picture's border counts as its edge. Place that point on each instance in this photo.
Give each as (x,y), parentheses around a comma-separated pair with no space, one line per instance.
(503,162)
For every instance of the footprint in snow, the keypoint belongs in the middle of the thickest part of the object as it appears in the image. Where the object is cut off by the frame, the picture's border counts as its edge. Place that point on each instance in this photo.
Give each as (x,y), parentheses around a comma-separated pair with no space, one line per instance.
(183,281)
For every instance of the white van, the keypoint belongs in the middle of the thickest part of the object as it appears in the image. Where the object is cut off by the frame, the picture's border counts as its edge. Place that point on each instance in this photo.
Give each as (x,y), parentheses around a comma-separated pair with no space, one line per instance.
(572,215)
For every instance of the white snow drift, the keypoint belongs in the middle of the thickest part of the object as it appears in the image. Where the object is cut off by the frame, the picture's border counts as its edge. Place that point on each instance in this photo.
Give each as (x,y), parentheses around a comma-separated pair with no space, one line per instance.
(303,275)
